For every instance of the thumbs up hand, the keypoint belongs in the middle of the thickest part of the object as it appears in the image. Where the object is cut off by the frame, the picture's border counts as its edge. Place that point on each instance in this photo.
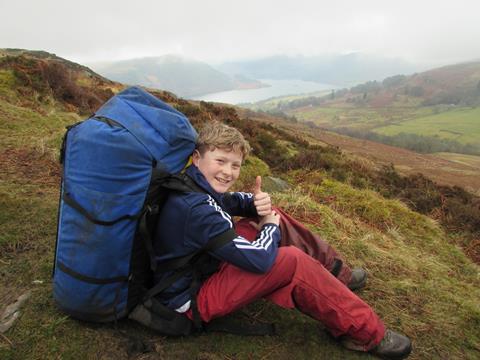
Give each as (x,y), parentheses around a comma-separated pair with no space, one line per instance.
(261,199)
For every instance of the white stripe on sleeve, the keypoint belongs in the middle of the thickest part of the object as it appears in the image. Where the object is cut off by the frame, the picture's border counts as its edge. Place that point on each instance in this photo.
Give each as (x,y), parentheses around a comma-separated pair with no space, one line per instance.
(262,243)
(225,215)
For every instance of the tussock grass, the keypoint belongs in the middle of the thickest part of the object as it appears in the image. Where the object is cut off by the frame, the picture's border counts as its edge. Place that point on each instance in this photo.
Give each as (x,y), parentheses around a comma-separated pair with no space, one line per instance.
(21,127)
(419,283)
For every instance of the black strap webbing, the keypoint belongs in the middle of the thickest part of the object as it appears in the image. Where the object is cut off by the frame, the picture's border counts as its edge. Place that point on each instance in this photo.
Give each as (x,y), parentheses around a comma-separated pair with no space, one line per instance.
(180,182)
(337,267)
(146,235)
(194,289)
(92,280)
(213,244)
(162,285)
(74,204)
(159,309)
(184,264)
(108,121)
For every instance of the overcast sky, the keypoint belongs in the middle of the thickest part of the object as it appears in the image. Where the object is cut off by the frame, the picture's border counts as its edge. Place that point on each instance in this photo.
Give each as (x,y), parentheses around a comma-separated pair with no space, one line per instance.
(421,31)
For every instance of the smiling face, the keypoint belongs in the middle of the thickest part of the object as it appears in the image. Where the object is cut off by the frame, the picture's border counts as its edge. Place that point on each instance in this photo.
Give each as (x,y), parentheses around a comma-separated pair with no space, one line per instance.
(220,167)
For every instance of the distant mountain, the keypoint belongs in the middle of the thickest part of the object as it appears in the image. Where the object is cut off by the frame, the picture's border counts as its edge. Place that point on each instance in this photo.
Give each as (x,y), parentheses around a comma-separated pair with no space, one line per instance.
(191,78)
(179,75)
(340,70)
(457,84)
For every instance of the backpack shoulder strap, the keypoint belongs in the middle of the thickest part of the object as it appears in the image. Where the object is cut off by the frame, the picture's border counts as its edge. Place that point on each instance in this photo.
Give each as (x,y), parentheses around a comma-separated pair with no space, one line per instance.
(161,181)
(182,183)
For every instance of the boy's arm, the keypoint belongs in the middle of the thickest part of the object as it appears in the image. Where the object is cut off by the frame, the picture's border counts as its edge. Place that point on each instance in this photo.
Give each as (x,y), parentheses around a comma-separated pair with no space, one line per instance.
(239,204)
(258,256)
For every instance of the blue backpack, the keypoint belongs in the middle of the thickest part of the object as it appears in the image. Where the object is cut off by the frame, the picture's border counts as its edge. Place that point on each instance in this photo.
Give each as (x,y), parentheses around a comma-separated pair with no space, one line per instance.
(116,167)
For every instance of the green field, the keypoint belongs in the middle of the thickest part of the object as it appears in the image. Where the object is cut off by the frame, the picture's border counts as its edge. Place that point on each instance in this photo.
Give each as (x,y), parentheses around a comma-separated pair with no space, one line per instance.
(470,160)
(273,103)
(361,118)
(462,125)
(442,121)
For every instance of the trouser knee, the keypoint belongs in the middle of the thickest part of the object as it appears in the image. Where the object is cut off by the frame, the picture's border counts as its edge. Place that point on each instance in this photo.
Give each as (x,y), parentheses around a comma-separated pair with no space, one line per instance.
(288,258)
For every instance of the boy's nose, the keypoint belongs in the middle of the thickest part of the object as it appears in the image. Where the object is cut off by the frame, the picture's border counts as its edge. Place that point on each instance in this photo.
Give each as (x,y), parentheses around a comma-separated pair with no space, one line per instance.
(227,170)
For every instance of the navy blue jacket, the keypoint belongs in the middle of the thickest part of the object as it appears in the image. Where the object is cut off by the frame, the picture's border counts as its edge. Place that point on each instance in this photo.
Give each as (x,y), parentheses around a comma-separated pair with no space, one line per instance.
(190,220)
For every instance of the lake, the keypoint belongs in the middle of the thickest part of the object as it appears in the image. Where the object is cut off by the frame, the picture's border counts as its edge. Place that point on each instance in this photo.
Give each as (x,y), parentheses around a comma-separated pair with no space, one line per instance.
(276,88)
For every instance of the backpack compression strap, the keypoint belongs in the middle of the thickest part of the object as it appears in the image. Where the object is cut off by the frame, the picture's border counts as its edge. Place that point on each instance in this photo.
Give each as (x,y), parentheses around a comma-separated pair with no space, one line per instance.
(74,204)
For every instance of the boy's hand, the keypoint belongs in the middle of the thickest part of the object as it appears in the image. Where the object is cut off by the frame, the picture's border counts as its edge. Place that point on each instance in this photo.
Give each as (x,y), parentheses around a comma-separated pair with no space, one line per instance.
(261,199)
(272,218)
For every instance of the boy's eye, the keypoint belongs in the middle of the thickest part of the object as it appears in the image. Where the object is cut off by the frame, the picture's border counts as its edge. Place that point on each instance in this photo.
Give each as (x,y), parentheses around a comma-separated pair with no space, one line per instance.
(236,167)
(220,161)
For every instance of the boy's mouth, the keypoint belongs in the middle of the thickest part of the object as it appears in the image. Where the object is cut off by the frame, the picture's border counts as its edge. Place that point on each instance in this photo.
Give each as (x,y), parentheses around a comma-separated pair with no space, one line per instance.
(223,181)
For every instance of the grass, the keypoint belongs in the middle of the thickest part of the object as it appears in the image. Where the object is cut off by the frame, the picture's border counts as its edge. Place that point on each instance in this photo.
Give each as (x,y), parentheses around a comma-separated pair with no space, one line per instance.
(7,81)
(360,118)
(251,168)
(459,124)
(462,125)
(22,127)
(470,160)
(419,282)
(273,103)
(42,332)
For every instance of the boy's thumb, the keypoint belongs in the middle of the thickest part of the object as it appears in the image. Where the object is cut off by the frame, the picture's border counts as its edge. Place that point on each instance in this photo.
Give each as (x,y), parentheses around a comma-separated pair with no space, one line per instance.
(258,185)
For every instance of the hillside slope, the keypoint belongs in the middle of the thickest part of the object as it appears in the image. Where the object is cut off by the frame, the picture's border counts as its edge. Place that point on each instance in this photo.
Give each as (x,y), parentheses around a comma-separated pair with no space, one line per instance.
(420,282)
(37,79)
(443,168)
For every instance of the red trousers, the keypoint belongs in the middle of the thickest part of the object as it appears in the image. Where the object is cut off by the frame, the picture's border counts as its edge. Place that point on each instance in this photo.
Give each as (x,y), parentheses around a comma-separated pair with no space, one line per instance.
(296,280)
(295,234)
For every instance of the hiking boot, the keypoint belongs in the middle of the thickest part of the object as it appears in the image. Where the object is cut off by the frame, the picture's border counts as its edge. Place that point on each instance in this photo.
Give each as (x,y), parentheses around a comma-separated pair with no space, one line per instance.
(358,279)
(393,346)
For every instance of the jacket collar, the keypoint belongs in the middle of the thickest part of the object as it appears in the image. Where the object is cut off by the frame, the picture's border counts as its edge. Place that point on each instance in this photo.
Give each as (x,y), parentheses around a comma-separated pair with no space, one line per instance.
(194,173)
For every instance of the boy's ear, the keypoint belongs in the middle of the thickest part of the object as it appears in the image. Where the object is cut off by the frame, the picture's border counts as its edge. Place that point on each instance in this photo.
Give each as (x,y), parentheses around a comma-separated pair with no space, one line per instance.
(195,157)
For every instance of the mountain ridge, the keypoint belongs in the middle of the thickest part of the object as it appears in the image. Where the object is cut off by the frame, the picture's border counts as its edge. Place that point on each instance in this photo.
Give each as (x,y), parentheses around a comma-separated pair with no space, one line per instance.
(340,70)
(180,75)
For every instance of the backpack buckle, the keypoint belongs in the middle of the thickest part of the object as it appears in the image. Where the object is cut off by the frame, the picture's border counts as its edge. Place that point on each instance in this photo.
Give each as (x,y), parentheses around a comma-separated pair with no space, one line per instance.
(152,209)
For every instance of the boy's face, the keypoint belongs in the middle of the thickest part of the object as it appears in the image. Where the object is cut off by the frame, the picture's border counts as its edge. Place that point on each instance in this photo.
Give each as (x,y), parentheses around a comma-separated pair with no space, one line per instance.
(221,168)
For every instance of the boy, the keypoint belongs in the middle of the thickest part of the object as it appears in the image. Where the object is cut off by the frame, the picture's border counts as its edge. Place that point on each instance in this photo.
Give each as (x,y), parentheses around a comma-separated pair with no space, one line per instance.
(246,270)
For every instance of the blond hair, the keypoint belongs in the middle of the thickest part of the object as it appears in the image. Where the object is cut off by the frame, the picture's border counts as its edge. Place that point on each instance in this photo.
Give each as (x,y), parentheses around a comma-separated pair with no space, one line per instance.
(217,135)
